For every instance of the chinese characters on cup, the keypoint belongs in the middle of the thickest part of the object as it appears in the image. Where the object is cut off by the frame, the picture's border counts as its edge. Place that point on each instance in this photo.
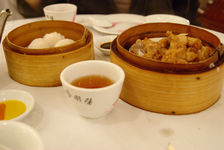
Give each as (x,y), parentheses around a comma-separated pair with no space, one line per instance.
(77,98)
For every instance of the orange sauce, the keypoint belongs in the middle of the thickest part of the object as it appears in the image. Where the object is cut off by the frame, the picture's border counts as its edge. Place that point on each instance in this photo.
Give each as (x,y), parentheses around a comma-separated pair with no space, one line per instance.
(10,109)
(2,111)
(92,81)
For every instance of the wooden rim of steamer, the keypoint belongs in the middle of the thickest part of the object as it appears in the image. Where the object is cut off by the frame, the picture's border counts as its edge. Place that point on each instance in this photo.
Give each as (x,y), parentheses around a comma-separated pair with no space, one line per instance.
(19,38)
(128,37)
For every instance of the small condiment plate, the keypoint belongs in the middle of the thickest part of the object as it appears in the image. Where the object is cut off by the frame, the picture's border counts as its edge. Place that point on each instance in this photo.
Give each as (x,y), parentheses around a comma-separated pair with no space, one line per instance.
(16,135)
(102,40)
(120,22)
(19,95)
(166,18)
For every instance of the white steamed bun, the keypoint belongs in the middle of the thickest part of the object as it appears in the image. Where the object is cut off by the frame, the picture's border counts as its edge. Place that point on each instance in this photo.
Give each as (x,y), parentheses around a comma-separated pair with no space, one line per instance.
(53,38)
(38,43)
(64,42)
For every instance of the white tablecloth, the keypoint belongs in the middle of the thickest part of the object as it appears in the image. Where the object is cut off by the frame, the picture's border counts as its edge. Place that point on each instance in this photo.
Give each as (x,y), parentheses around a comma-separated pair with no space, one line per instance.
(125,128)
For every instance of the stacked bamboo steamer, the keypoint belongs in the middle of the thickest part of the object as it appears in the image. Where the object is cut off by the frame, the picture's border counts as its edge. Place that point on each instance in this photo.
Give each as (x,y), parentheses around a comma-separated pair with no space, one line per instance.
(164,87)
(42,67)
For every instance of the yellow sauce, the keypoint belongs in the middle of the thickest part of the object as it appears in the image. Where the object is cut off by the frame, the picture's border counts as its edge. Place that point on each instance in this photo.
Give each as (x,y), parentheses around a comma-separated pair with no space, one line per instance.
(10,109)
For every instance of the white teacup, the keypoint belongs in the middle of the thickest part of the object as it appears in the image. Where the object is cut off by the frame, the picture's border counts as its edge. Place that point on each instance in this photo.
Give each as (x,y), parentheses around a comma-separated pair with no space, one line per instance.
(93,102)
(61,11)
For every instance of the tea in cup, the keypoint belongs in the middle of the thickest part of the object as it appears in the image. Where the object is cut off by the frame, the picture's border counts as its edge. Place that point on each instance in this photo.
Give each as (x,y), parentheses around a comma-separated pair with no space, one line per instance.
(93,86)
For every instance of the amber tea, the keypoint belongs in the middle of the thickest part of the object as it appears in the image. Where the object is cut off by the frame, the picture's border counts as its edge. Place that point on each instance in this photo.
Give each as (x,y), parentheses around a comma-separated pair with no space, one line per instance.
(92,81)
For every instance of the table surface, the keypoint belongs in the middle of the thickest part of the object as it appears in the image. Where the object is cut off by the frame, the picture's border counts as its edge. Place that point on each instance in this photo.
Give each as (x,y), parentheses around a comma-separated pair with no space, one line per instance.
(125,128)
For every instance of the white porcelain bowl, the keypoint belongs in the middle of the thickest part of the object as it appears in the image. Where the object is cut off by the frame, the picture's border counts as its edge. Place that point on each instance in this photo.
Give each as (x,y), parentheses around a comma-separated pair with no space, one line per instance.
(166,18)
(103,40)
(19,95)
(19,136)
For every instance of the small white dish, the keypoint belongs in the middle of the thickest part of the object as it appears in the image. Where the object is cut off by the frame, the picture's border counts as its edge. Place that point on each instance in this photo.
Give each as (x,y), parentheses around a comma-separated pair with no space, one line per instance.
(97,21)
(100,22)
(166,18)
(102,40)
(120,22)
(19,95)
(19,136)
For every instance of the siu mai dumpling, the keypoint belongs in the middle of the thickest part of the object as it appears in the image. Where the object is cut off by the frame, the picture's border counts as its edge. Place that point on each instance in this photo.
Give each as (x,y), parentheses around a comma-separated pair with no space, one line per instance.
(64,42)
(38,43)
(53,38)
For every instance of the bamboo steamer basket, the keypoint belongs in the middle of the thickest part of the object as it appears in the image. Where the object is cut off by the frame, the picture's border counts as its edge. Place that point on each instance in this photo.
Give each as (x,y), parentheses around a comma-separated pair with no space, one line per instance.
(19,38)
(44,70)
(173,90)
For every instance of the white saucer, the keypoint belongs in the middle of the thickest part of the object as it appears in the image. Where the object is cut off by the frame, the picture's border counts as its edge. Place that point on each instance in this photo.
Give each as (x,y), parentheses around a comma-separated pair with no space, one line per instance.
(166,18)
(19,95)
(120,23)
(19,136)
(103,40)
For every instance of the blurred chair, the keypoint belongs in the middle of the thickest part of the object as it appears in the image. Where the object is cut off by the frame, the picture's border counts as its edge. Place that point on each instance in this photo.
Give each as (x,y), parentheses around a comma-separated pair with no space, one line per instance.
(211,15)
